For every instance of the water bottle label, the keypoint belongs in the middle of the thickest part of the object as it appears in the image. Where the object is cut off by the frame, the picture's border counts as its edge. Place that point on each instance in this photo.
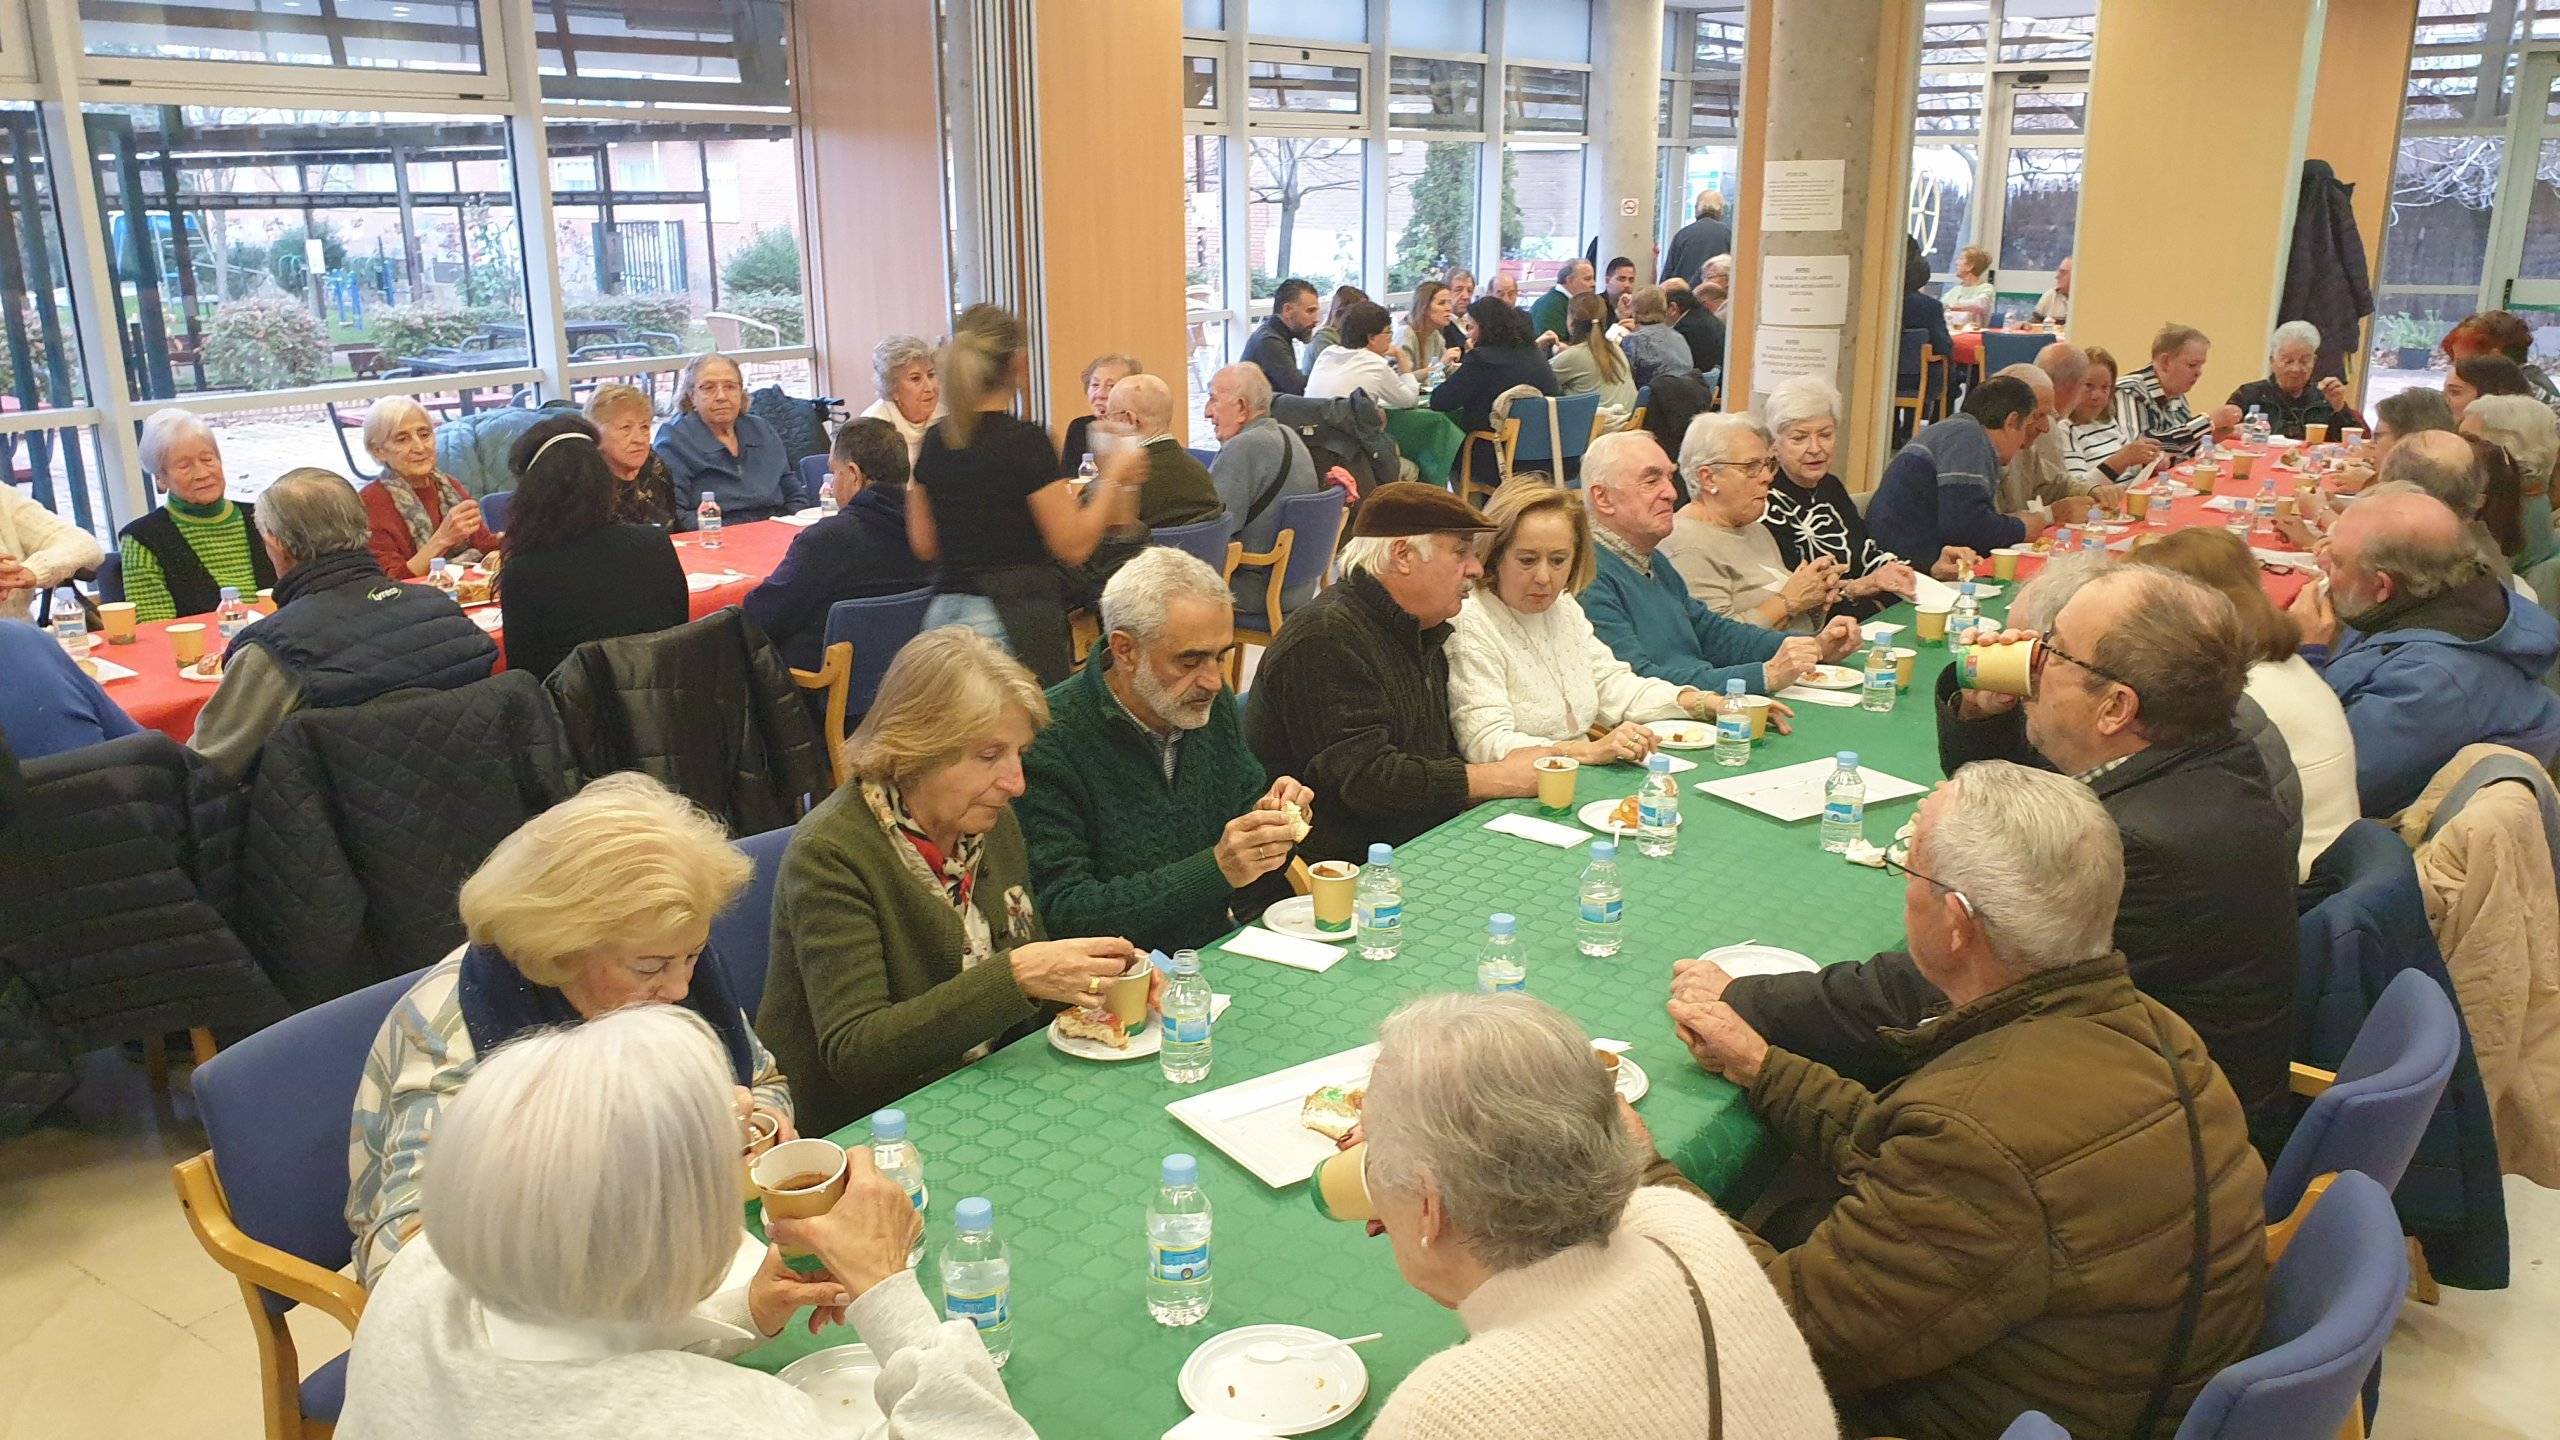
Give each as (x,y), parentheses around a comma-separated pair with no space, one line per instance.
(1657,812)
(1191,1264)
(1843,812)
(916,1197)
(1506,987)
(1733,727)
(1191,1031)
(1375,916)
(1603,912)
(987,1312)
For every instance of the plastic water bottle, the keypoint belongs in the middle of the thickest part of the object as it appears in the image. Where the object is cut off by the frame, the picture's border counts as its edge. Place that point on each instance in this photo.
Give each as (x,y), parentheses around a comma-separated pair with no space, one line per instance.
(1087,469)
(1844,804)
(977,1277)
(71,632)
(2263,513)
(1178,1245)
(2254,427)
(1966,615)
(439,575)
(1377,906)
(827,495)
(1601,908)
(897,1158)
(1658,809)
(1185,1052)
(706,521)
(1883,679)
(1500,969)
(2093,544)
(231,617)
(1733,728)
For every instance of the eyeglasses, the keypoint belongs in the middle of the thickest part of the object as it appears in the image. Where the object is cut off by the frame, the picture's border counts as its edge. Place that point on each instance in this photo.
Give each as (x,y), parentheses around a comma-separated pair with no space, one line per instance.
(1962,899)
(2046,649)
(1763,466)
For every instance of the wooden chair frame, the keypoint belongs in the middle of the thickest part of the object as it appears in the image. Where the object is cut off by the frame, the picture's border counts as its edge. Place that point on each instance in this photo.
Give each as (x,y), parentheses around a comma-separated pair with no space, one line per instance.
(155,1056)
(2309,1081)
(264,1268)
(834,676)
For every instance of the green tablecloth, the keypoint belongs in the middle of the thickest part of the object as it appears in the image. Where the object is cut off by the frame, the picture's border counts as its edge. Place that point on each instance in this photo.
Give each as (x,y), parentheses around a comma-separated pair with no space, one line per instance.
(1067,1150)
(1429,439)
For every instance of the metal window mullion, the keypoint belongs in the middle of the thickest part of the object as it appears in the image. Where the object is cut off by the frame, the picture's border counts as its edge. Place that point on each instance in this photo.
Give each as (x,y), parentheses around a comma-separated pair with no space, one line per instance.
(529,168)
(1235,179)
(1497,35)
(1373,158)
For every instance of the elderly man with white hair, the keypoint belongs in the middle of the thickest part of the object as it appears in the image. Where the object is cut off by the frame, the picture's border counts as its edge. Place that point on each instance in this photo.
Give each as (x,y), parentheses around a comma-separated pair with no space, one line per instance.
(178,558)
(2057,1208)
(1144,810)
(1640,604)
(1354,694)
(583,1271)
(1602,1296)
(418,513)
(2288,396)
(1260,463)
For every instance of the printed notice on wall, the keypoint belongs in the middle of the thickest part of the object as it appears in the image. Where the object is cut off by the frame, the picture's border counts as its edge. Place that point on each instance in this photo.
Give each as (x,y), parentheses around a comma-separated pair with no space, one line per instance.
(1804,290)
(1802,194)
(1783,352)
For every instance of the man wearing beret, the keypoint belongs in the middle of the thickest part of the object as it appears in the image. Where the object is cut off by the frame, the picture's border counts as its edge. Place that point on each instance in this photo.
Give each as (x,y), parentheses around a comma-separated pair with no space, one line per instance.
(1353,696)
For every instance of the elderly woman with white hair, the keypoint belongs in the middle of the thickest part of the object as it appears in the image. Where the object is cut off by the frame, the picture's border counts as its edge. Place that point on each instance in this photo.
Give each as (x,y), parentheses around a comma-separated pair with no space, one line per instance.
(1603,1296)
(2525,428)
(1811,515)
(2288,396)
(584,1272)
(419,514)
(178,558)
(904,370)
(604,900)
(1730,560)
(905,940)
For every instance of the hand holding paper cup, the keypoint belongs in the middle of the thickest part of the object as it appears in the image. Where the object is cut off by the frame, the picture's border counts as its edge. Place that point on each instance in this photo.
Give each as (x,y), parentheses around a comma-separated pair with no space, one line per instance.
(1126,997)
(799,1179)
(2000,669)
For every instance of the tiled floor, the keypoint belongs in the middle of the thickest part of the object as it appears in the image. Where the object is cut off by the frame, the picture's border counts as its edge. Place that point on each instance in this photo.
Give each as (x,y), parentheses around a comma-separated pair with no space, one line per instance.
(113,1323)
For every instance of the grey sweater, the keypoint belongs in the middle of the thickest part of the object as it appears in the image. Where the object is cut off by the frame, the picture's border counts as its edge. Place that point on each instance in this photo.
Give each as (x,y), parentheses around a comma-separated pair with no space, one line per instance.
(1245,468)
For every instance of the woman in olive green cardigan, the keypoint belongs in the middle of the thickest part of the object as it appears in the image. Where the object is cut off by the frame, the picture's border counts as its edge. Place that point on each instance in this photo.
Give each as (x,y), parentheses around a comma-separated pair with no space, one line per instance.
(904,940)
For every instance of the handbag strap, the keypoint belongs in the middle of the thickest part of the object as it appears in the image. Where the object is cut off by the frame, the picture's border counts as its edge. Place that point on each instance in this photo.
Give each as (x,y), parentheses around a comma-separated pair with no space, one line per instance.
(1706,1329)
(1288,462)
(2191,1308)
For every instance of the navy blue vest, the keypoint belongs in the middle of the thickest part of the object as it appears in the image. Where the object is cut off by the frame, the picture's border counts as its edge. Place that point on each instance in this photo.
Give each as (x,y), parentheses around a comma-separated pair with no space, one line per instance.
(350,633)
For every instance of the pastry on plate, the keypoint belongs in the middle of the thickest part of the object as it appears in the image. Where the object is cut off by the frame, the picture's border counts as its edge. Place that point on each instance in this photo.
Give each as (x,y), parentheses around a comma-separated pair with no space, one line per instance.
(1332,1110)
(1093,1022)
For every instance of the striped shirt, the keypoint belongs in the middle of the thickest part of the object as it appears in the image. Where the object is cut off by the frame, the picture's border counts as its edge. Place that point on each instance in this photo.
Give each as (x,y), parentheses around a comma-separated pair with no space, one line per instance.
(2088,447)
(2143,408)
(419,1061)
(219,540)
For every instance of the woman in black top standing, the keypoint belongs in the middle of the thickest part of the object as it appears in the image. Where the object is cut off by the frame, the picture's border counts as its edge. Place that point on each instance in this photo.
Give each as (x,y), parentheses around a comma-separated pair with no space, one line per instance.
(995,514)
(572,573)
(1501,354)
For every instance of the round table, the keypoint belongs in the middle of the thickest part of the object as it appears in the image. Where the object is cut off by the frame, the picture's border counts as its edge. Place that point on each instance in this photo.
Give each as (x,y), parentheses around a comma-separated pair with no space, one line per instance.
(1428,438)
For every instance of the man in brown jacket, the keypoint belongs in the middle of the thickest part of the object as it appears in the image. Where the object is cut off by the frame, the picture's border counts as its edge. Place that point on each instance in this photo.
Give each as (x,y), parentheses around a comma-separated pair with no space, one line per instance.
(2058,1209)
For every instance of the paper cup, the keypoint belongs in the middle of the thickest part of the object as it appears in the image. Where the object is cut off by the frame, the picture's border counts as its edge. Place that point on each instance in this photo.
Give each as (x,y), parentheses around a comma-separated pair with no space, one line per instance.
(2288,507)
(2004,562)
(1757,708)
(1340,1188)
(2315,434)
(116,619)
(2352,436)
(1996,669)
(1905,661)
(186,641)
(2242,461)
(266,602)
(798,1179)
(2137,503)
(1931,627)
(1334,884)
(760,1130)
(1126,997)
(1556,775)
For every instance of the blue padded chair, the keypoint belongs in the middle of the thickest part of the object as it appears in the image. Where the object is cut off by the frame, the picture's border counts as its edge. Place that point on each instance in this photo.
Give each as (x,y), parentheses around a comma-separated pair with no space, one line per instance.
(1208,540)
(2369,1118)
(268,1201)
(1205,457)
(878,628)
(2330,1304)
(2034,1425)
(813,473)
(494,507)
(111,576)
(743,935)
(2000,351)
(1532,448)
(1301,556)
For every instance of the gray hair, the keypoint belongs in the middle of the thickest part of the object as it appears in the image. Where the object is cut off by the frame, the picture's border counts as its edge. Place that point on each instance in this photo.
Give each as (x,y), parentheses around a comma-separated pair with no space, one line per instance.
(1140,593)
(589,1173)
(2042,598)
(1602,461)
(2294,332)
(386,415)
(309,512)
(2065,364)
(1251,384)
(1800,398)
(1496,1103)
(2033,377)
(169,427)
(895,354)
(1713,436)
(2038,859)
(2422,566)
(2442,467)
(1367,554)
(2520,425)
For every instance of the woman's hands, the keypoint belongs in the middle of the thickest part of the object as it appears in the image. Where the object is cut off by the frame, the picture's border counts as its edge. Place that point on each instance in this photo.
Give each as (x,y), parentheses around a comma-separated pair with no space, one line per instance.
(1813,586)
(1891,578)
(776,1290)
(1628,743)
(862,1241)
(457,527)
(1070,972)
(1953,564)
(748,1109)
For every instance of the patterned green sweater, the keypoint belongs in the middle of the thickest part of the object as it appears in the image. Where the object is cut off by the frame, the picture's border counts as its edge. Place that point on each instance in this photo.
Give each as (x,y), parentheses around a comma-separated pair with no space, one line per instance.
(219,540)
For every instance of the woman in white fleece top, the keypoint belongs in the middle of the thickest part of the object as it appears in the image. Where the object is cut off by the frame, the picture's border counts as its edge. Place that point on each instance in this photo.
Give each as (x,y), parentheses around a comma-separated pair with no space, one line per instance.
(1525,668)
(1514,1186)
(1367,359)
(582,1271)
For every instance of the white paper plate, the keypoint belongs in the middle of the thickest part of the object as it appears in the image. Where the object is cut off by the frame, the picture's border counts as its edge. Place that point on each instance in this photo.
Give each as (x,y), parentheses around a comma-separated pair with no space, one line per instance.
(1293,1396)
(839,1379)
(1146,1041)
(1987,589)
(1632,1081)
(1595,816)
(188,672)
(697,583)
(1841,677)
(1255,1122)
(1295,917)
(105,670)
(1741,960)
(1684,734)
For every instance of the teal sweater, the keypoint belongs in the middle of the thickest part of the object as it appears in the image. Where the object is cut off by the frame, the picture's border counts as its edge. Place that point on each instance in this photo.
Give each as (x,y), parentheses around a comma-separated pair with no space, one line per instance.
(1114,849)
(1660,631)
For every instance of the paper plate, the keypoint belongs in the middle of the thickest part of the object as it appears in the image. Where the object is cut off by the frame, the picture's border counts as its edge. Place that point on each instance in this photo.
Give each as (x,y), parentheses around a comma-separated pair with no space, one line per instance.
(1632,1081)
(840,1380)
(1148,1040)
(1755,959)
(1595,816)
(1987,589)
(1841,677)
(1293,1395)
(188,672)
(1684,734)
(1296,917)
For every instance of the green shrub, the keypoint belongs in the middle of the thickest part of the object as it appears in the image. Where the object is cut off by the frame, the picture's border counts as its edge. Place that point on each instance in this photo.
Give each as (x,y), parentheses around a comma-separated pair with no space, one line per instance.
(769,262)
(787,312)
(410,329)
(265,343)
(665,314)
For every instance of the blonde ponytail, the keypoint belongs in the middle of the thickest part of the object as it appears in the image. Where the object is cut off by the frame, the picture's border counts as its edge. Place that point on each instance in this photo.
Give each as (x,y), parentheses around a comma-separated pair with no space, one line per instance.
(976,363)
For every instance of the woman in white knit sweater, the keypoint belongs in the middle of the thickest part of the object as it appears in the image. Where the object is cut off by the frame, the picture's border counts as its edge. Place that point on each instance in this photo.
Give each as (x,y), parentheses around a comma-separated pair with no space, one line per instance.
(1525,669)
(1596,1306)
(582,1271)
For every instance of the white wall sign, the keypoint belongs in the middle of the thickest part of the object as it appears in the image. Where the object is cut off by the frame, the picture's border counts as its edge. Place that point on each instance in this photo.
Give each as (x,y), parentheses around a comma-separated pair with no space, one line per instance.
(1627,207)
(1804,289)
(1783,352)
(1802,194)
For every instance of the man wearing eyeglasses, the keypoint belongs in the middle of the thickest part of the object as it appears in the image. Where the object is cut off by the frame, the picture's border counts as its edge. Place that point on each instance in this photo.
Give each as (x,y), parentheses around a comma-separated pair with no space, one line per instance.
(2136,693)
(2058,1207)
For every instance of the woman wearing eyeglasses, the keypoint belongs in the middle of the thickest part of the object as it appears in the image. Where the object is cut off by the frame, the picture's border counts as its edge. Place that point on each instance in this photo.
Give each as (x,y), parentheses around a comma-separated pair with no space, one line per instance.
(1718,544)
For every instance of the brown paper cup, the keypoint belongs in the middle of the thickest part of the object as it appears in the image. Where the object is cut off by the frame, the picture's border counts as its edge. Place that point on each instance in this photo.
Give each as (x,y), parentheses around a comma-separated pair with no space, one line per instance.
(2315,434)
(1126,997)
(186,641)
(1333,884)
(1905,661)
(760,1130)
(1757,708)
(1931,626)
(2137,503)
(115,618)
(1556,776)
(2288,507)
(1996,669)
(798,1179)
(2241,463)
(2004,562)
(1340,1187)
(266,602)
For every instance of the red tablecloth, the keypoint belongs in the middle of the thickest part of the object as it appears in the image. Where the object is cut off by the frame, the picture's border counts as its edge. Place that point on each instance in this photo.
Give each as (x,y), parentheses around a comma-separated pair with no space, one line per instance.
(1969,343)
(157,697)
(2282,585)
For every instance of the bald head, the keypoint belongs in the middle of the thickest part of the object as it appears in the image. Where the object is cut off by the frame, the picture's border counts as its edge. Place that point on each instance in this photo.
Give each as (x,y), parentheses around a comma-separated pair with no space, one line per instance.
(1144,403)
(2036,378)
(2441,463)
(2066,365)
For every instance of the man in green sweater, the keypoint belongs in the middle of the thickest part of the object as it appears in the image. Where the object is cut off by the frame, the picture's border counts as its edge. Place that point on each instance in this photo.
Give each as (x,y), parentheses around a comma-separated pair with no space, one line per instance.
(1145,813)
(1547,317)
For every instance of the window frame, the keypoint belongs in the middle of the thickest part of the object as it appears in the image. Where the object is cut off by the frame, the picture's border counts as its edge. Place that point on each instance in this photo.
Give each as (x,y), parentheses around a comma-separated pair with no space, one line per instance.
(1356,121)
(163,75)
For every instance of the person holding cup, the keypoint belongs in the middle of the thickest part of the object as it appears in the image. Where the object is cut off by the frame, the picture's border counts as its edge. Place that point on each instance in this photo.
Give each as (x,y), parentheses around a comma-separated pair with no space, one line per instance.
(38,550)
(418,513)
(905,940)
(584,1273)
(603,901)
